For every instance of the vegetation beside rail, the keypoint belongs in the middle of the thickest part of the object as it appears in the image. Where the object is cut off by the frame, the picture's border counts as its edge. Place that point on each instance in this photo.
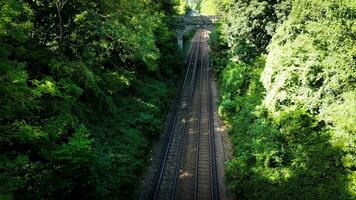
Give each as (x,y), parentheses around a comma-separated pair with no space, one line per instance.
(84,87)
(288,87)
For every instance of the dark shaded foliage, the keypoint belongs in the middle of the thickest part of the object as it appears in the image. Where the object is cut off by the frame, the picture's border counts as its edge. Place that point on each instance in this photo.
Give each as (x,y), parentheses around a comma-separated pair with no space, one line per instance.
(84,87)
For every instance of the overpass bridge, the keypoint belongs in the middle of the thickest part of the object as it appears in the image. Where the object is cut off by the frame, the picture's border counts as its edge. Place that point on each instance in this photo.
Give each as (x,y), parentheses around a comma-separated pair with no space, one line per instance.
(196,20)
(187,23)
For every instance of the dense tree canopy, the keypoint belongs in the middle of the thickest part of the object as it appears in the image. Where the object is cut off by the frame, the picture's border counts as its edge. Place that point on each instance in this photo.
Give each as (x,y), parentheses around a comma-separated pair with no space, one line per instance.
(84,86)
(287,78)
(249,25)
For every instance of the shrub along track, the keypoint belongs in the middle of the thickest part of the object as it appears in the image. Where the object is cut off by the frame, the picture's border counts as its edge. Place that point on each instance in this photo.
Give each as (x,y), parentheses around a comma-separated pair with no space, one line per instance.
(188,165)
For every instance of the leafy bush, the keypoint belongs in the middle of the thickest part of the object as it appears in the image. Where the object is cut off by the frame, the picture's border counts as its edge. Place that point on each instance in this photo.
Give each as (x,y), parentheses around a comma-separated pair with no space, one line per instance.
(293,134)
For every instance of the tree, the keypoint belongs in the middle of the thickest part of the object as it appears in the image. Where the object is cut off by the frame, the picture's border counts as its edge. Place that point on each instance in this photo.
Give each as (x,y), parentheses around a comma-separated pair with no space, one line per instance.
(83,87)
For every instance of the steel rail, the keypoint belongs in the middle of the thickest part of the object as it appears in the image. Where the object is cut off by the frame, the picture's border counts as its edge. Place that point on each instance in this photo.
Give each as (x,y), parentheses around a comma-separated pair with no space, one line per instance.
(198,131)
(212,151)
(214,182)
(167,144)
(184,131)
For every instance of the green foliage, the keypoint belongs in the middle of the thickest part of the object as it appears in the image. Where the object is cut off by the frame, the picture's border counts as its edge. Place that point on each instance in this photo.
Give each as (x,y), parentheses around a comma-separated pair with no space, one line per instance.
(84,86)
(219,49)
(294,133)
(250,25)
(209,7)
(182,7)
(317,70)
(306,60)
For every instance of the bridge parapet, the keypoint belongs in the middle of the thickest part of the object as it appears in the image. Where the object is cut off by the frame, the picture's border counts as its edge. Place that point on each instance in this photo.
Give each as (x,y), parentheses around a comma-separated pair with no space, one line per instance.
(196,20)
(186,23)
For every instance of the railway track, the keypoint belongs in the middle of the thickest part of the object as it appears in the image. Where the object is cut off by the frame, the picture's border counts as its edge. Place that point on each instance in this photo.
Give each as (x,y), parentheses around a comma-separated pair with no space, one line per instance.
(206,186)
(188,161)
